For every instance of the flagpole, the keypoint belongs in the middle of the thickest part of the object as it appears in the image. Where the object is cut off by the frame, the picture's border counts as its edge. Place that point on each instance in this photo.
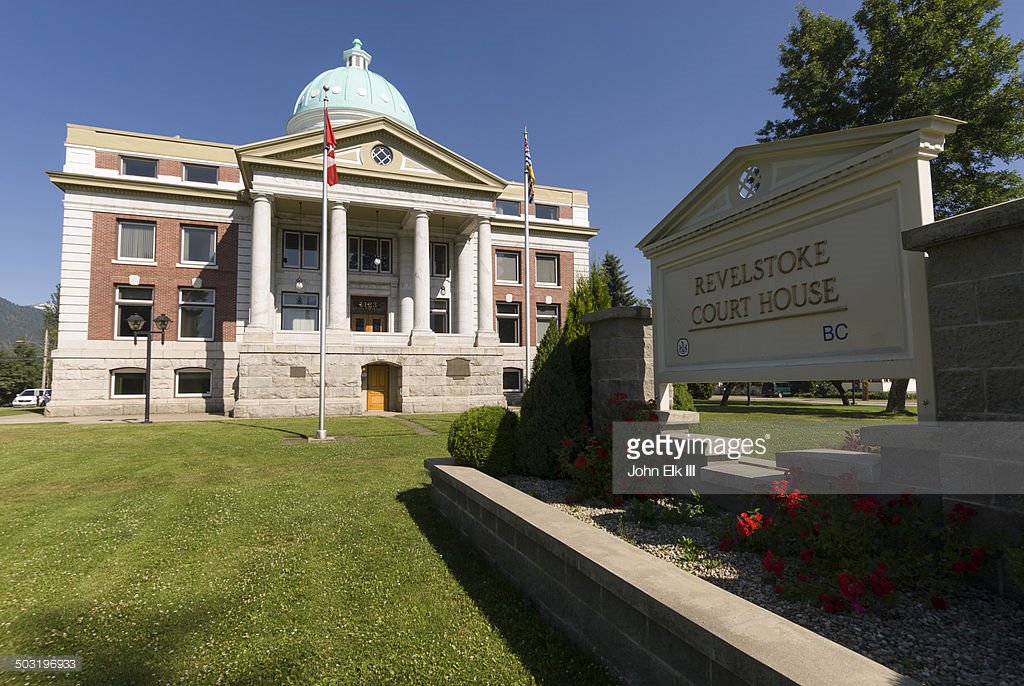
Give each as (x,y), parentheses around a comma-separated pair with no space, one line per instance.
(321,432)
(526,233)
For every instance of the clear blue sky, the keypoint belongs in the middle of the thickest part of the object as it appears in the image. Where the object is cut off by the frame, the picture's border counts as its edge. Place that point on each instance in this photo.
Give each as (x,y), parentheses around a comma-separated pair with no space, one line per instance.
(603,86)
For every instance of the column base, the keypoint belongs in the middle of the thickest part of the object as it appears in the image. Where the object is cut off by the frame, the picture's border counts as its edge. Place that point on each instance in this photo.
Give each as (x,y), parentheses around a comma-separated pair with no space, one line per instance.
(486,338)
(427,337)
(339,336)
(258,334)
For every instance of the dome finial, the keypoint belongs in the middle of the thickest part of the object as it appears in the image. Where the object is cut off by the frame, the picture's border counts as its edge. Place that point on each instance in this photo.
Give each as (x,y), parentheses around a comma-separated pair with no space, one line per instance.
(356,56)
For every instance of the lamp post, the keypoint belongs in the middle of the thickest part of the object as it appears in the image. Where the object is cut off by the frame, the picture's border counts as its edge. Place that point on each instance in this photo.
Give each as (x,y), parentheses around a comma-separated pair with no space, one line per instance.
(135,322)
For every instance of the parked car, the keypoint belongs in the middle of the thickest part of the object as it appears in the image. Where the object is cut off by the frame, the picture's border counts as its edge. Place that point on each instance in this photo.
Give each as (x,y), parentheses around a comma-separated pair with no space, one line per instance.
(32,397)
(775,390)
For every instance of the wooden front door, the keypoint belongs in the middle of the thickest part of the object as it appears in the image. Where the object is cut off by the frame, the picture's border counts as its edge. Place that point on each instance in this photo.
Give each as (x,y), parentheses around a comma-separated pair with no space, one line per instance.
(377,387)
(369,314)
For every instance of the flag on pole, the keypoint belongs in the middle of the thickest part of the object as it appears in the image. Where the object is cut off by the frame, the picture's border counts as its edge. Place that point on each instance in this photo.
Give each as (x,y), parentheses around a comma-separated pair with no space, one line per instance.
(329,144)
(529,166)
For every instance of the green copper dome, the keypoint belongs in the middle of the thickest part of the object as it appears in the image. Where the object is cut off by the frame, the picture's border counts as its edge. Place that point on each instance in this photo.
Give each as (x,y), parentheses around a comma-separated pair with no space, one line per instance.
(353,92)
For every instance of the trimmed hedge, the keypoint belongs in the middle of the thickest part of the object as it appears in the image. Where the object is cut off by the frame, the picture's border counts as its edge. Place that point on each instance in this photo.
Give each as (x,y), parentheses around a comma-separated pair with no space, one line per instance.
(681,398)
(485,438)
(701,391)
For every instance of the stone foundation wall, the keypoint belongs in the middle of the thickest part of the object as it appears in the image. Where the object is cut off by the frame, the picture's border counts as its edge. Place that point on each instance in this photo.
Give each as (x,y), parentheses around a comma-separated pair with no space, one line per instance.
(82,378)
(276,383)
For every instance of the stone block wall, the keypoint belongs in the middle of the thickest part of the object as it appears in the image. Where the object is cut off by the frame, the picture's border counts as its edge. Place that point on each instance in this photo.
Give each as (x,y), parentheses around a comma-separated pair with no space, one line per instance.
(975,277)
(621,356)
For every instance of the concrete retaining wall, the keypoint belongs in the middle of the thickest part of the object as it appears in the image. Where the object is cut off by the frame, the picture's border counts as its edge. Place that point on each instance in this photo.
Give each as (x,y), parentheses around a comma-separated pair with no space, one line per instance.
(649,621)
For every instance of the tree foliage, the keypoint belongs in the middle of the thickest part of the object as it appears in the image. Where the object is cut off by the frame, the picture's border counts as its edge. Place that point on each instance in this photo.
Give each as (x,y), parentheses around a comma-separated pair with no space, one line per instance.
(590,294)
(619,290)
(20,368)
(551,409)
(51,315)
(915,57)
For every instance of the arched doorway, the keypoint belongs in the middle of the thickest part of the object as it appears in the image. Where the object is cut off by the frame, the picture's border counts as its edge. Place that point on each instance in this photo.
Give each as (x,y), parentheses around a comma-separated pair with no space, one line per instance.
(380,384)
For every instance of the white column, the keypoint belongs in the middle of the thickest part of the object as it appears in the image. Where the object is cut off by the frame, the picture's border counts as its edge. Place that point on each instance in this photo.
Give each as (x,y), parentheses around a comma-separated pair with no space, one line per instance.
(405,290)
(421,273)
(337,280)
(260,295)
(464,287)
(484,284)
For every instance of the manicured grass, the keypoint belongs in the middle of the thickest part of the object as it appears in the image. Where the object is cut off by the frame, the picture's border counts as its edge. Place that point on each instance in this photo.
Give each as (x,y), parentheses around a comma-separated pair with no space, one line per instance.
(791,425)
(8,411)
(215,552)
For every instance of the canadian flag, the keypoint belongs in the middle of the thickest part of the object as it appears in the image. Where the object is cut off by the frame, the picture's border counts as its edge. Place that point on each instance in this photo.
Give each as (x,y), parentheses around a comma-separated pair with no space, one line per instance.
(329,144)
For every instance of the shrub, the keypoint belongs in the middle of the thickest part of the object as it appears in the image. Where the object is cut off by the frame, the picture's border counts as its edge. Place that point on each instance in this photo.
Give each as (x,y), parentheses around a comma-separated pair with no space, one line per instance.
(551,408)
(589,294)
(681,398)
(701,391)
(485,438)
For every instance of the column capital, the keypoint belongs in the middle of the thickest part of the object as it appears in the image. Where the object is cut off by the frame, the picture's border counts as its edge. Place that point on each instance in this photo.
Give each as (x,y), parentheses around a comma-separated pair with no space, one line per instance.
(261,196)
(343,204)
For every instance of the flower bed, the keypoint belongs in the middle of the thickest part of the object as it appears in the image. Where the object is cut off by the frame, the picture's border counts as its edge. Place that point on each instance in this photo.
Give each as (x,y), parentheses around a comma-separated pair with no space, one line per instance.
(927,628)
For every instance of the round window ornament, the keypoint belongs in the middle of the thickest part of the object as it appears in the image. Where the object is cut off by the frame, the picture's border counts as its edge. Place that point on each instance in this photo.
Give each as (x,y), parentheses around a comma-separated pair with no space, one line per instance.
(382,155)
(750,182)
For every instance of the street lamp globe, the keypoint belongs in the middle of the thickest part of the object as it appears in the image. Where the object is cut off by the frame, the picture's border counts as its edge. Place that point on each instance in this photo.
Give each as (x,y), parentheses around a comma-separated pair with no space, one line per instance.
(161,322)
(135,322)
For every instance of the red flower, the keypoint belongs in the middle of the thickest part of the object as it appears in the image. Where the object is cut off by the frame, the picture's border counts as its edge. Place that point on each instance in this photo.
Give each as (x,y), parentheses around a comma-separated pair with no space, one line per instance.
(850,586)
(773,563)
(961,513)
(778,588)
(602,452)
(832,604)
(806,555)
(581,462)
(747,524)
(567,442)
(867,505)
(802,578)
(939,603)
(880,583)
(725,545)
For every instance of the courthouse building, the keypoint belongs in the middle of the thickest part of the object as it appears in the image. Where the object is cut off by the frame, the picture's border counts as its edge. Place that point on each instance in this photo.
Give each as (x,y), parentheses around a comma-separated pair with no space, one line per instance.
(424,295)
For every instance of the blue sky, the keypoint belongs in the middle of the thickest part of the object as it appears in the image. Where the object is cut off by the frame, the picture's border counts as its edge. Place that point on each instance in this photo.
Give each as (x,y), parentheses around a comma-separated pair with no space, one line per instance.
(606,88)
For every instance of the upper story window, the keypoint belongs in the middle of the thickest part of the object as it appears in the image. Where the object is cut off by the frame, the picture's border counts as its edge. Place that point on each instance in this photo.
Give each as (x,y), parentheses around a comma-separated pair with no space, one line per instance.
(510,207)
(369,254)
(508,322)
(547,270)
(439,259)
(439,319)
(199,173)
(136,241)
(546,315)
(506,266)
(301,250)
(198,245)
(129,300)
(195,313)
(546,212)
(138,166)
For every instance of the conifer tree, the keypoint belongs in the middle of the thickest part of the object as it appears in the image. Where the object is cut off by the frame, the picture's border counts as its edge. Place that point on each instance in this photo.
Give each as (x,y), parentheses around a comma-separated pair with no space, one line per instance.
(618,285)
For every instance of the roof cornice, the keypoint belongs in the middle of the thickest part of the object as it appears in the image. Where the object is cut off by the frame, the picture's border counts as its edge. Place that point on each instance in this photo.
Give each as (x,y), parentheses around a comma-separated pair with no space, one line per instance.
(105,184)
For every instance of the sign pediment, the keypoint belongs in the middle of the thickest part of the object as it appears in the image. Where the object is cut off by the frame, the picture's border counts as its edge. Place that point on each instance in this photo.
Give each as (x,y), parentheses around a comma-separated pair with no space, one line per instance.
(754,175)
(375,149)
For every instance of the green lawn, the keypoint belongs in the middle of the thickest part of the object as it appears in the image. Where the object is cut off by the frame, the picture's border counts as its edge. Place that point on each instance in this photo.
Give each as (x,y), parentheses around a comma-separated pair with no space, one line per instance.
(8,411)
(791,425)
(216,552)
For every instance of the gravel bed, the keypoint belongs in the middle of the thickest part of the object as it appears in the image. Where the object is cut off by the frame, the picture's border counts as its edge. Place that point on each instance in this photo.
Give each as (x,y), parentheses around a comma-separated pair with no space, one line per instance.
(979,639)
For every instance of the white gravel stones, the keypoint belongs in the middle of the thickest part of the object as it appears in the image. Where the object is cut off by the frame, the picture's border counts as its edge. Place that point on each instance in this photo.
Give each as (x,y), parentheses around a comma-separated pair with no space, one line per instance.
(979,639)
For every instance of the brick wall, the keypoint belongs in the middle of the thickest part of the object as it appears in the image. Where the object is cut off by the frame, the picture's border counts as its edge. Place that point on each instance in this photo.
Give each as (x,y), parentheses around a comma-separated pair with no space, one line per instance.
(559,295)
(107,160)
(164,276)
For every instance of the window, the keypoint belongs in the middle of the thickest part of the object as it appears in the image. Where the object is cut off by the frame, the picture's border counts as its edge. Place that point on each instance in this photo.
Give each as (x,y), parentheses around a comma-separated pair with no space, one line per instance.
(363,254)
(195,313)
(510,207)
(128,383)
(199,173)
(136,241)
(511,379)
(546,314)
(382,155)
(193,382)
(546,212)
(547,270)
(439,316)
(508,323)
(439,259)
(301,250)
(300,312)
(198,245)
(138,166)
(506,266)
(129,300)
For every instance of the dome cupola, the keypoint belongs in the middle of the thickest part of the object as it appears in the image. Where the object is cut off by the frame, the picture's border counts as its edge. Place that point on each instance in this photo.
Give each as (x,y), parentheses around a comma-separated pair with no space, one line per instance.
(353,92)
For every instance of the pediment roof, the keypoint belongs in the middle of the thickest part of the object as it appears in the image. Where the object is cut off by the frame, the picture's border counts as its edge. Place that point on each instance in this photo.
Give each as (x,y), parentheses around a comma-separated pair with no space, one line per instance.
(416,158)
(754,175)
